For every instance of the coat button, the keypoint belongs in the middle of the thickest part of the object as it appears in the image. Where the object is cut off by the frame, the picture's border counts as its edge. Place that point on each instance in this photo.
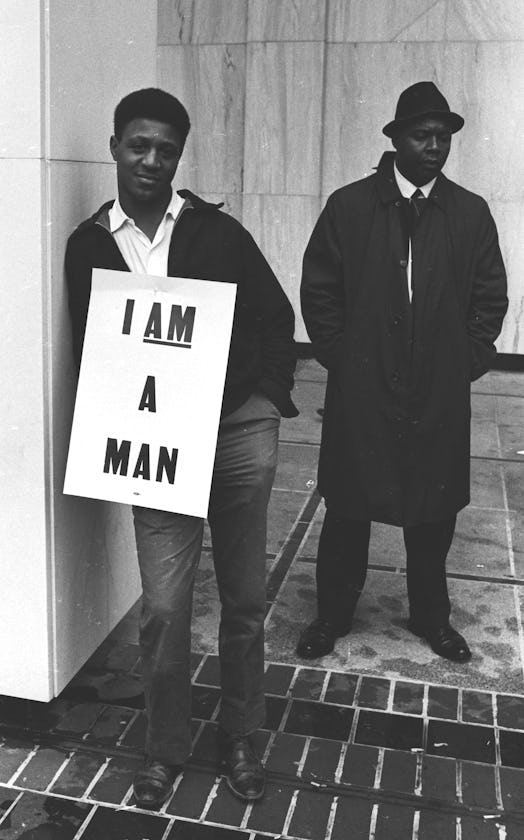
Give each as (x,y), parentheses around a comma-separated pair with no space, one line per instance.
(396,320)
(395,377)
(397,203)
(403,263)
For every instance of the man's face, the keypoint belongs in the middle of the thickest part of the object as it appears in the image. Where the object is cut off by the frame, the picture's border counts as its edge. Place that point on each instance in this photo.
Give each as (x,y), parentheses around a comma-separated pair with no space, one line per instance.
(422,149)
(147,157)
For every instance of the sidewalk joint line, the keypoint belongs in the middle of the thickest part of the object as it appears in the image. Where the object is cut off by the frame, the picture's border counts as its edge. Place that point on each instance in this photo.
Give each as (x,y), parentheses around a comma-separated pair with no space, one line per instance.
(341,761)
(391,695)
(59,771)
(209,801)
(82,830)
(416,824)
(290,812)
(303,757)
(13,805)
(169,826)
(354,725)
(509,537)
(358,686)
(331,818)
(458,782)
(288,552)
(418,774)
(498,788)
(459,706)
(127,727)
(96,778)
(23,765)
(325,685)
(379,767)
(373,821)
(128,795)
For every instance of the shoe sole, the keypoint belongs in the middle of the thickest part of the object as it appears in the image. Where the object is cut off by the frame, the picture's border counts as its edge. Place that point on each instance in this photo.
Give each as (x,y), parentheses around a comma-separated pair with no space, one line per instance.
(151,806)
(315,655)
(242,796)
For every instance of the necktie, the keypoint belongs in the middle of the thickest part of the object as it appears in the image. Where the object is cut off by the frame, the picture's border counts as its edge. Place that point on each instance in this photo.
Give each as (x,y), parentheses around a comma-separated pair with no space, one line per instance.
(417,203)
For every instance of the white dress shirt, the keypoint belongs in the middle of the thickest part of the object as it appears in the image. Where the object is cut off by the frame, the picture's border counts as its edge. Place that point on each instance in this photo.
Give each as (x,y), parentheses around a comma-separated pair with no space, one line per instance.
(407,189)
(142,255)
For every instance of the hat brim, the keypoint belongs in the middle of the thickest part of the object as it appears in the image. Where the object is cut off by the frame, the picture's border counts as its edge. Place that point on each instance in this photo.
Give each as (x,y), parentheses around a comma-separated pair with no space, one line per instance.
(455,121)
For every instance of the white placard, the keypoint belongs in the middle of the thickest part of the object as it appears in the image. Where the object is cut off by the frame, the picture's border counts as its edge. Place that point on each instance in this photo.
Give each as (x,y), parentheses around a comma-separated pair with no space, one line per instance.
(150,391)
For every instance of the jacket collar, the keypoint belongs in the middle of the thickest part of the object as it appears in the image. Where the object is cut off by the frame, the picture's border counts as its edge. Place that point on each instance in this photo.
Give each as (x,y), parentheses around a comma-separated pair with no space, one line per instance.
(389,192)
(191,201)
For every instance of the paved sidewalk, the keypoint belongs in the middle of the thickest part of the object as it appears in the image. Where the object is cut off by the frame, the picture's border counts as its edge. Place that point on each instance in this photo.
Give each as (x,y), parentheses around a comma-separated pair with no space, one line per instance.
(379,741)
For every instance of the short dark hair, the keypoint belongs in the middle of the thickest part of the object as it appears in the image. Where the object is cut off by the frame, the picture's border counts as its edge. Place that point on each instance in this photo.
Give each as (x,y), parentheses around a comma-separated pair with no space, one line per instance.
(152,104)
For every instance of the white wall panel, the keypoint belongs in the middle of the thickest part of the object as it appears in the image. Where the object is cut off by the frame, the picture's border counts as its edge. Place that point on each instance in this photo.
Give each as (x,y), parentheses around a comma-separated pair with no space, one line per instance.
(20,48)
(69,569)
(25,649)
(98,52)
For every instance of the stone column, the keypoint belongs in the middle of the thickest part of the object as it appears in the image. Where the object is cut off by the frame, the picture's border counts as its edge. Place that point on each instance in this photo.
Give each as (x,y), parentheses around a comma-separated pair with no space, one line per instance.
(68,564)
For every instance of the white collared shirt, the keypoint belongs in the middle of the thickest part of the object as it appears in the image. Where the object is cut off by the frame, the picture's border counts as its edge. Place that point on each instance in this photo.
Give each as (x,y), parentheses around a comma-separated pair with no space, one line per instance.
(407,189)
(141,255)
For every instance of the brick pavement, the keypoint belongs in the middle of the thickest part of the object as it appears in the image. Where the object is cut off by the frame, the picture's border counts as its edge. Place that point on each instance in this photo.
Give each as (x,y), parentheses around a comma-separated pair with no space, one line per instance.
(341,750)
(351,755)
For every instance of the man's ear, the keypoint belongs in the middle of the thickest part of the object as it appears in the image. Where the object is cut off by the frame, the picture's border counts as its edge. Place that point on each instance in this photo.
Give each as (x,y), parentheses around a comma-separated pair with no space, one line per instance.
(113,146)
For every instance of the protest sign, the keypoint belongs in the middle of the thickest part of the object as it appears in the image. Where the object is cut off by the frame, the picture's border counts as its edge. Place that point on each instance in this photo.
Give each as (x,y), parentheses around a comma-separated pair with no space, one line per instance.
(150,391)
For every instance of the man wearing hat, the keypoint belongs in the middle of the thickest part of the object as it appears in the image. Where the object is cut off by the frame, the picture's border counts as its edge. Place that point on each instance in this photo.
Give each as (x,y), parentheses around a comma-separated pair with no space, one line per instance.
(403,296)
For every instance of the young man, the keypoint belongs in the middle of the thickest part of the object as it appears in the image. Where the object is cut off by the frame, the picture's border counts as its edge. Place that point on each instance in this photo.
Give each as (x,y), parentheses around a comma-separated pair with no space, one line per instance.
(152,230)
(403,295)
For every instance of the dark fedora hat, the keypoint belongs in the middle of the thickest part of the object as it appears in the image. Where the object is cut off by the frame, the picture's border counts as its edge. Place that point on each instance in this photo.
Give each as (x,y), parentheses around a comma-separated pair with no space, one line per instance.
(422,99)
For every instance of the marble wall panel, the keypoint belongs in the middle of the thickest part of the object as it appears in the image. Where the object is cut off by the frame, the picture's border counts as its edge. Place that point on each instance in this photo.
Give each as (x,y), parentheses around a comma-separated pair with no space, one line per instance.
(485,84)
(376,20)
(283,118)
(281,226)
(286,20)
(25,652)
(232,202)
(360,100)
(98,53)
(480,159)
(509,216)
(95,570)
(209,80)
(309,128)
(202,21)
(485,20)
(20,112)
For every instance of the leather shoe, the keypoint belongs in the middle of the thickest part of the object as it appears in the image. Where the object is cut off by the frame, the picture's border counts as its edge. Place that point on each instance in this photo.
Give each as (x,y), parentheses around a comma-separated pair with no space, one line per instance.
(444,641)
(239,763)
(319,638)
(154,783)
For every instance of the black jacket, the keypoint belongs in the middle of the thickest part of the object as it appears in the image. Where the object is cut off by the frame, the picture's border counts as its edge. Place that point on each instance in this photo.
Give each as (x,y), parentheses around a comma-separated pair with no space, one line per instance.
(205,244)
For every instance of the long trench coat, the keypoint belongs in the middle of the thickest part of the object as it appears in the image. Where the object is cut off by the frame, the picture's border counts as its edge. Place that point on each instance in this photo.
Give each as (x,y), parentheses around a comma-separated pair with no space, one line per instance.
(396,431)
